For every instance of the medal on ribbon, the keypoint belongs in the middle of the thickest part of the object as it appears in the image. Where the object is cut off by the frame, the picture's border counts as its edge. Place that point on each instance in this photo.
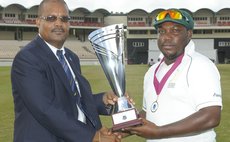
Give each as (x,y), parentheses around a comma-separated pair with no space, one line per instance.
(154,106)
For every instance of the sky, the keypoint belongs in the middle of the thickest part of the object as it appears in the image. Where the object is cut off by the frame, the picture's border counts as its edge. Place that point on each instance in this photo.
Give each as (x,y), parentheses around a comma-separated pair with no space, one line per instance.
(128,5)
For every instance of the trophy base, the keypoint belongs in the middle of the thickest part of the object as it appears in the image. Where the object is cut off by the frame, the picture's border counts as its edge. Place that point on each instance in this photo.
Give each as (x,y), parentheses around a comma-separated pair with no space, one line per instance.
(128,118)
(132,123)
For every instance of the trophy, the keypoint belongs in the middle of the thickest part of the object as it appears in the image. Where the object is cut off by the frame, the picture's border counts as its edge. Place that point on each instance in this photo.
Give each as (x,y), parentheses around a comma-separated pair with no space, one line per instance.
(108,44)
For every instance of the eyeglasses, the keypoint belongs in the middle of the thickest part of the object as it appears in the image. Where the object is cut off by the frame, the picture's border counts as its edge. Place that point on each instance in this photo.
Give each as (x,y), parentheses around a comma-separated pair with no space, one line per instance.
(176,15)
(53,18)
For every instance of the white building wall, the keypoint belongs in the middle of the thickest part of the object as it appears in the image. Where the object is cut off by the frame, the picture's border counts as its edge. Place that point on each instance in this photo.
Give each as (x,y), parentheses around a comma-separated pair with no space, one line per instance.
(109,20)
(154,52)
(206,47)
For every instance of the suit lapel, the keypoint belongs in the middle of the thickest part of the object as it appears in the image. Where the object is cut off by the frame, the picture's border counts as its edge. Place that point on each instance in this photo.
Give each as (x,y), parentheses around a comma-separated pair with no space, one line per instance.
(53,62)
(72,64)
(74,68)
(48,57)
(83,86)
(62,75)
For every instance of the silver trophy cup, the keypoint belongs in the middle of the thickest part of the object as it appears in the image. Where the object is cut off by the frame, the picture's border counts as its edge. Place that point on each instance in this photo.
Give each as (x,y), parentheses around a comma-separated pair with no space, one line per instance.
(108,44)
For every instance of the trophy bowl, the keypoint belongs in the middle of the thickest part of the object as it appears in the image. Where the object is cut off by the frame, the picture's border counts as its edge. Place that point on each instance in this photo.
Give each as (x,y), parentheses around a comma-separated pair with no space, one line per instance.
(108,44)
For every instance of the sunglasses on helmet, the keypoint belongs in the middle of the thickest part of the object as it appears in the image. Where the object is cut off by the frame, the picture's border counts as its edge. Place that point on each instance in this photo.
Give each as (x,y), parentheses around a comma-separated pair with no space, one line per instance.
(173,14)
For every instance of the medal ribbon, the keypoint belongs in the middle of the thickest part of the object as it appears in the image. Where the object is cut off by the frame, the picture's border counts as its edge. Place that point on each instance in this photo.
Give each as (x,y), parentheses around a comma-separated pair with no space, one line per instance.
(159,85)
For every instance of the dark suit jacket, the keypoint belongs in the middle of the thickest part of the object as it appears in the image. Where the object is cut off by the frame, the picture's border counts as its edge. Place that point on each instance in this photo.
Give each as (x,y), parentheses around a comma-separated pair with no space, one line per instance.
(45,108)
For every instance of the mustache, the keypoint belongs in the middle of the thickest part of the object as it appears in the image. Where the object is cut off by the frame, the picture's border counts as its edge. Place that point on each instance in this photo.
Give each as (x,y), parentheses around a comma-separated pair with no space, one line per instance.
(57,30)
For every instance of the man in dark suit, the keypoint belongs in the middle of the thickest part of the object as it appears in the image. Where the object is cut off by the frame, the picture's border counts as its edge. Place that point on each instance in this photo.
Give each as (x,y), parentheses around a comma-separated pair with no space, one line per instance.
(47,108)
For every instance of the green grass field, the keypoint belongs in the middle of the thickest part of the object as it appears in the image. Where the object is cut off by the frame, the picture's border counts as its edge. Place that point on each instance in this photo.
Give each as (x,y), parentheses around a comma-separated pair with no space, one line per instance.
(134,86)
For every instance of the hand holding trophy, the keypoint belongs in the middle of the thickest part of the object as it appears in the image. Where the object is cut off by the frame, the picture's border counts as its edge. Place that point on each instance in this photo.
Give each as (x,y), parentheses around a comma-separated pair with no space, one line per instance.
(108,44)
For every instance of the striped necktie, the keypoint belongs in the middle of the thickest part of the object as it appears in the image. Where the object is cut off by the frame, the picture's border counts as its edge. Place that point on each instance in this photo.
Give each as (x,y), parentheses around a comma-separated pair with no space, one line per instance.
(67,70)
(73,85)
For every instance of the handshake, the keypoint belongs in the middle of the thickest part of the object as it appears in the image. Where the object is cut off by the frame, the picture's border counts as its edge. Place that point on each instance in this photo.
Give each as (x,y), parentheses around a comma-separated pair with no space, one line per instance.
(117,132)
(105,135)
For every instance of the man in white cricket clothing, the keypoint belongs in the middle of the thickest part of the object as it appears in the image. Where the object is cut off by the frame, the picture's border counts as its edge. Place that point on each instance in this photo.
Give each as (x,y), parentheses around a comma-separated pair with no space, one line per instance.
(182,93)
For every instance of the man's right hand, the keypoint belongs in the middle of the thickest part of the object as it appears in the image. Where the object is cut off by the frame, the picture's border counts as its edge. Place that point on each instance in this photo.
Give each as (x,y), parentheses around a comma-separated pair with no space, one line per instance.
(104,135)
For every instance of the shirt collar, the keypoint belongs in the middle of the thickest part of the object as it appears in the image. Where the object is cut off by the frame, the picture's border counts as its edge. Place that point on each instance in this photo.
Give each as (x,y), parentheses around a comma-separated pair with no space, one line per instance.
(54,49)
(190,48)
